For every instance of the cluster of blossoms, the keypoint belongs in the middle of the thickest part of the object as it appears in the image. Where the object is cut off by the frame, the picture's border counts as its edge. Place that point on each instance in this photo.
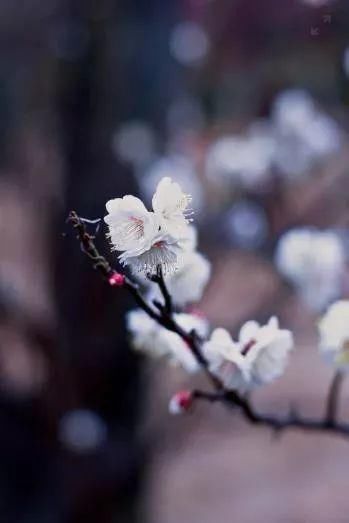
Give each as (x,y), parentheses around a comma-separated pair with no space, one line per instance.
(258,357)
(148,239)
(164,239)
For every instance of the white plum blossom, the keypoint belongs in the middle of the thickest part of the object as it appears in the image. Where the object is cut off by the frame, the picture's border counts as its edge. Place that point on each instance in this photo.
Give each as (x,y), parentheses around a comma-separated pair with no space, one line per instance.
(187,284)
(149,239)
(334,335)
(170,204)
(225,359)
(145,334)
(257,358)
(266,348)
(314,261)
(149,337)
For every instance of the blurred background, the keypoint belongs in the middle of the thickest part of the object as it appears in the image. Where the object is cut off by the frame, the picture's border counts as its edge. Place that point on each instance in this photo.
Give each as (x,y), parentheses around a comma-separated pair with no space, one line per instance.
(245,103)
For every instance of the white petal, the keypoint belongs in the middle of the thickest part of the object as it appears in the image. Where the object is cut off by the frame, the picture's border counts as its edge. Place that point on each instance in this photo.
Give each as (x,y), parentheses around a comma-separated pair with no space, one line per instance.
(187,283)
(221,337)
(170,204)
(248,331)
(131,226)
(127,204)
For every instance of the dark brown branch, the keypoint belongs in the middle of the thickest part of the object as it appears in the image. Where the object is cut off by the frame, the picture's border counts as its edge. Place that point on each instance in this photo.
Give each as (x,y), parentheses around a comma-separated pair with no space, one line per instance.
(293,420)
(160,280)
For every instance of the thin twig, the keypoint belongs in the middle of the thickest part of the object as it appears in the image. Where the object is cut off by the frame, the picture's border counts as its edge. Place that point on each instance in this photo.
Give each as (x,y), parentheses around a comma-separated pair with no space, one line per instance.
(159,279)
(293,420)
(164,290)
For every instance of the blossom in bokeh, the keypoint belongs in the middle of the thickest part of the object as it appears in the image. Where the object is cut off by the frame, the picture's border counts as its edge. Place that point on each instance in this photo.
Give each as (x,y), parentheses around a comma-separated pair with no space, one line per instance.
(134,142)
(244,160)
(257,358)
(149,337)
(296,137)
(82,430)
(189,43)
(304,134)
(314,261)
(246,224)
(334,335)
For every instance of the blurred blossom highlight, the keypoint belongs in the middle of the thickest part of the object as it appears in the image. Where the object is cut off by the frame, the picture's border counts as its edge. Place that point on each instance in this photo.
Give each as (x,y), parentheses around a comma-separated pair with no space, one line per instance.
(314,261)
(82,431)
(189,43)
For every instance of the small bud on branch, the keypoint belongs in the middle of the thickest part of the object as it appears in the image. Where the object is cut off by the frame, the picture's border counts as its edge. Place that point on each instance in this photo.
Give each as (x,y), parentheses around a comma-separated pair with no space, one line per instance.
(116,279)
(181,402)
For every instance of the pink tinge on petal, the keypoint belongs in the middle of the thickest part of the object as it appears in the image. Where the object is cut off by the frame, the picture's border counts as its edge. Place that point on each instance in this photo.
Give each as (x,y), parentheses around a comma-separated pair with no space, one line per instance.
(195,311)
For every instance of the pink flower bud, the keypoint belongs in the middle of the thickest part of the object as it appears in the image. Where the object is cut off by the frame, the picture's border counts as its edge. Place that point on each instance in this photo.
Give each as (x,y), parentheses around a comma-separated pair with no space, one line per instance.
(116,279)
(180,402)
